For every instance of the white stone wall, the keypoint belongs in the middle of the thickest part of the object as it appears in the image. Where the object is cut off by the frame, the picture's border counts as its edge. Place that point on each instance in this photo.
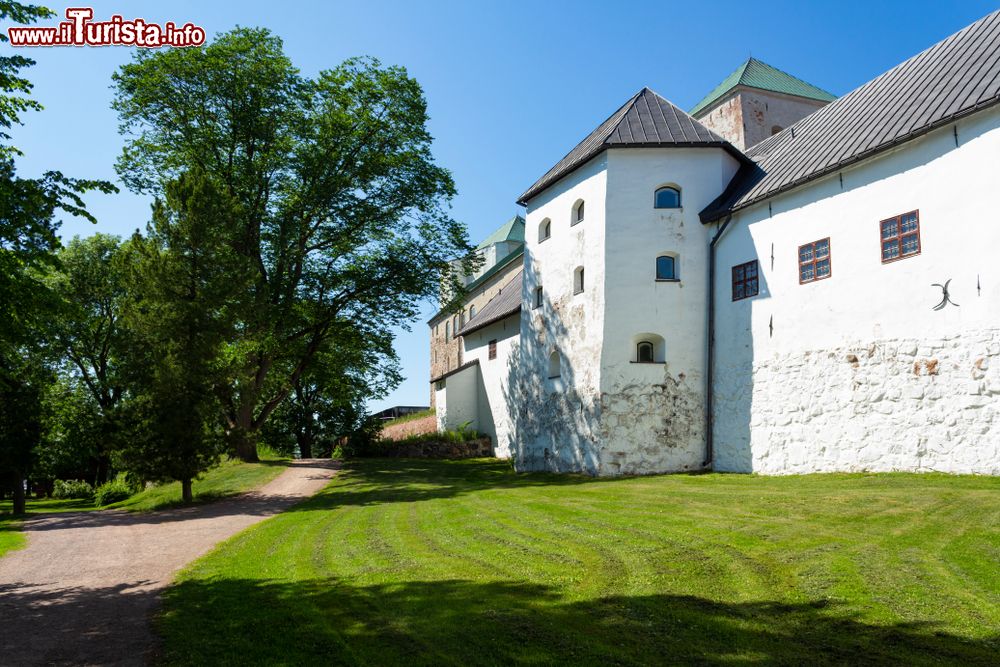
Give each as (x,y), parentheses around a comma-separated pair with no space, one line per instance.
(912,404)
(653,415)
(495,400)
(557,418)
(458,401)
(789,395)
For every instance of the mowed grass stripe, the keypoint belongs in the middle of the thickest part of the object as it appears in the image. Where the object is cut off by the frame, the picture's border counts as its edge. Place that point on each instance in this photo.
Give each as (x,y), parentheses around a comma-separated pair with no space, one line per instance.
(426,563)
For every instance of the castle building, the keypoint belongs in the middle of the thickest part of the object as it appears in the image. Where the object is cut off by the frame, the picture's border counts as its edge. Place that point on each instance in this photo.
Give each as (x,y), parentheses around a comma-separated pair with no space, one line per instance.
(779,282)
(500,259)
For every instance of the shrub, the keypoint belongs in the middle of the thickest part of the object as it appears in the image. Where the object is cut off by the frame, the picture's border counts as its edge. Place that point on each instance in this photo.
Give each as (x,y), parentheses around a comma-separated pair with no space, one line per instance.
(72,488)
(114,491)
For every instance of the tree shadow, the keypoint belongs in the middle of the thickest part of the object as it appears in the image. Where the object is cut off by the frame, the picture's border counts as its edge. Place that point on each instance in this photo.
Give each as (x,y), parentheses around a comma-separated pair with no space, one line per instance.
(398,480)
(228,621)
(77,625)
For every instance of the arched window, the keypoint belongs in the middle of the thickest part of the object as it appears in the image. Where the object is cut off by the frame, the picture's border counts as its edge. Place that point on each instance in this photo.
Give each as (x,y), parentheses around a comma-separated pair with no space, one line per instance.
(667,197)
(472,312)
(648,348)
(578,212)
(578,280)
(775,129)
(554,364)
(666,267)
(447,331)
(454,324)
(544,230)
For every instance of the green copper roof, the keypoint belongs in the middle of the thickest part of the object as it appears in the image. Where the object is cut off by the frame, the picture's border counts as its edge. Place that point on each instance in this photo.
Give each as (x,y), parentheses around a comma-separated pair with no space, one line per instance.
(756,74)
(512,230)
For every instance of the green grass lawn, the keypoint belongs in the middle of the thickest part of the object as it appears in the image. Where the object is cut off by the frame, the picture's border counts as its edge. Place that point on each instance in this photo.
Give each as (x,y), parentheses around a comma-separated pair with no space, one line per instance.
(422,562)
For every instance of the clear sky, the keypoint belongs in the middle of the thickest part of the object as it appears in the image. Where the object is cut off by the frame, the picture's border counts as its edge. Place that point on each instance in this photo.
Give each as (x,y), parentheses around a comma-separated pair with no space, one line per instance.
(511,86)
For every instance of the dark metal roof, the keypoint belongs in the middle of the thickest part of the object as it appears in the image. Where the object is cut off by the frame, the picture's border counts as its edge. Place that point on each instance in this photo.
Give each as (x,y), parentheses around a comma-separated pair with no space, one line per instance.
(646,120)
(950,80)
(506,302)
(483,279)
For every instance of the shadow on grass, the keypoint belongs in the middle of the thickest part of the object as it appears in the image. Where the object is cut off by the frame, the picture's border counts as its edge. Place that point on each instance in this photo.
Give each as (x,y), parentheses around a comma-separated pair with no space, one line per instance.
(465,622)
(396,480)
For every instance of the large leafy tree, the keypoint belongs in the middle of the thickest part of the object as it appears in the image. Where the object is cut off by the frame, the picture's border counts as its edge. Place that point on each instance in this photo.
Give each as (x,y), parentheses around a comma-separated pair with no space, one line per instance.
(328,401)
(337,204)
(91,281)
(28,209)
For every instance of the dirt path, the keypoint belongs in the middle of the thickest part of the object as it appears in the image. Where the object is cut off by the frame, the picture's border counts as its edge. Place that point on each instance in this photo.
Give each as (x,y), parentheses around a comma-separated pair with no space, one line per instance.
(84,588)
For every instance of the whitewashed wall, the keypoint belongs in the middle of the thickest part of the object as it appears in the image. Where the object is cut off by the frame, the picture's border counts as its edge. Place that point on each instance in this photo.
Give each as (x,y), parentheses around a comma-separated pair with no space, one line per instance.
(860,373)
(458,400)
(495,399)
(557,419)
(653,415)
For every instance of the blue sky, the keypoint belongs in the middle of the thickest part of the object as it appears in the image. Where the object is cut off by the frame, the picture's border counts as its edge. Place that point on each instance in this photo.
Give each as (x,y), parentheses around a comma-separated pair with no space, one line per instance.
(511,87)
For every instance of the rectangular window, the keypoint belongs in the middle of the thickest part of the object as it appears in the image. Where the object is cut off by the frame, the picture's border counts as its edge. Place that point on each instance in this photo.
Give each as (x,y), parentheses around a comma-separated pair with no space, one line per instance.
(745,280)
(538,297)
(493,349)
(900,236)
(814,261)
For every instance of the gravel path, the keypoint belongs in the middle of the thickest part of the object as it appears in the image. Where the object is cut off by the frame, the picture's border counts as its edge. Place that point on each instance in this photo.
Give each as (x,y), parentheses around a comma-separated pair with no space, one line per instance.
(83,590)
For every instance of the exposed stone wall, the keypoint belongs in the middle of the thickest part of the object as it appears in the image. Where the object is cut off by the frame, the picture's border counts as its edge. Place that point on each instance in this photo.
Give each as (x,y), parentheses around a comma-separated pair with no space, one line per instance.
(894,405)
(652,426)
(439,449)
(420,426)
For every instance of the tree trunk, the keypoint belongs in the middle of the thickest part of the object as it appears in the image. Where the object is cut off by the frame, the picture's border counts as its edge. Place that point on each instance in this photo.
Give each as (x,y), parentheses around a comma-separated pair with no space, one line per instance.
(305,444)
(244,444)
(186,494)
(19,505)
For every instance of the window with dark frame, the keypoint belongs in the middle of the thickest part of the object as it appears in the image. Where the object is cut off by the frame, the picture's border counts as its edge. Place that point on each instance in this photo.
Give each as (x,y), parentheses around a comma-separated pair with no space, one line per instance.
(745,280)
(666,268)
(538,298)
(667,197)
(900,236)
(814,261)
(644,352)
(493,349)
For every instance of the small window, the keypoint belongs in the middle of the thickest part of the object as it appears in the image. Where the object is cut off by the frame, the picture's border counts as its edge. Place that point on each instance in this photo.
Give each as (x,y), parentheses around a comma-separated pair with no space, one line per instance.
(644,352)
(667,198)
(745,280)
(666,268)
(538,298)
(900,236)
(461,319)
(544,230)
(814,261)
(439,385)
(578,280)
(454,324)
(447,331)
(578,212)
(554,364)
(775,129)
(493,349)
(472,312)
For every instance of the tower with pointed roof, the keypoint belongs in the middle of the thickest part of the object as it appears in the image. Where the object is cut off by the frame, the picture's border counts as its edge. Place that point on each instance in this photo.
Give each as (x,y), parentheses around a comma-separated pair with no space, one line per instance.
(615,272)
(757,101)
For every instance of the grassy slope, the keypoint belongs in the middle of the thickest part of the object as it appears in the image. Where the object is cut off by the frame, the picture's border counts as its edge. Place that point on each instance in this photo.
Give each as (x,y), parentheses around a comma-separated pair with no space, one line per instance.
(424,562)
(414,416)
(228,479)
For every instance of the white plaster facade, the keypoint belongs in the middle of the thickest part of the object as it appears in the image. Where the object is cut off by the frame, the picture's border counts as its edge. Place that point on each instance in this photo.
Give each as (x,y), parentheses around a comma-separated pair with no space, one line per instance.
(860,373)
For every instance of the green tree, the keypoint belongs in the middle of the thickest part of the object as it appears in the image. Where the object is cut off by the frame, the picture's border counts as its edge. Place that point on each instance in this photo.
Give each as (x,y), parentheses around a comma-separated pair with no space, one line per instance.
(337,204)
(328,401)
(28,225)
(91,280)
(179,317)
